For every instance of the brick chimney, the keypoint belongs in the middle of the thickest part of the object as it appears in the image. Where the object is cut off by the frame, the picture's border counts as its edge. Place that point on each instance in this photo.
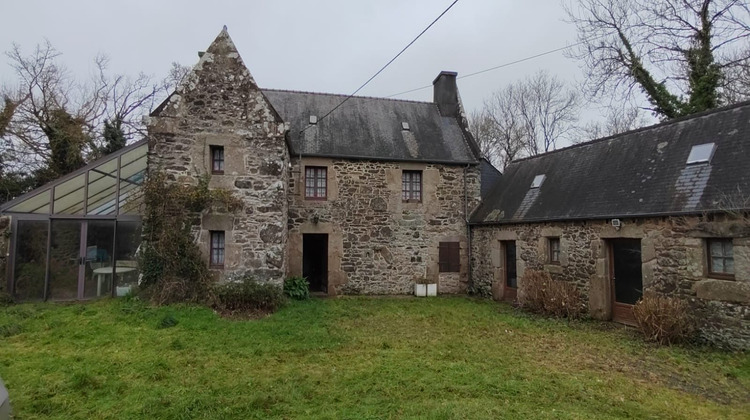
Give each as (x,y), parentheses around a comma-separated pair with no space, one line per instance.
(445,93)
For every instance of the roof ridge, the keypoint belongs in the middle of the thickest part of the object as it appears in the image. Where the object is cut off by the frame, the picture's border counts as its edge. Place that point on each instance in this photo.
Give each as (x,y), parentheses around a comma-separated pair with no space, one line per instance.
(640,129)
(344,95)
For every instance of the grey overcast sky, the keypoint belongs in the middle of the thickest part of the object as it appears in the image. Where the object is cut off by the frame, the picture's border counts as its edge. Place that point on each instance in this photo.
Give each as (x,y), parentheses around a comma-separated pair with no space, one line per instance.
(321,45)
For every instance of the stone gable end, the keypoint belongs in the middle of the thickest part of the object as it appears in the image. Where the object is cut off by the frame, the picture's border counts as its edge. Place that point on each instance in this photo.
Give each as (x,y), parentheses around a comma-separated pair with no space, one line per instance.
(219,105)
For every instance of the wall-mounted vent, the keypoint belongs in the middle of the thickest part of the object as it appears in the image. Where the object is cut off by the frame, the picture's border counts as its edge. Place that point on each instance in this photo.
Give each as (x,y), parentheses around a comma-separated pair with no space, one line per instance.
(405,126)
(538,180)
(701,153)
(313,119)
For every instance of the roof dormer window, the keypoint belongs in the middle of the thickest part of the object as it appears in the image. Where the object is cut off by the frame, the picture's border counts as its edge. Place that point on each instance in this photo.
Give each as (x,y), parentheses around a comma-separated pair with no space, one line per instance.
(538,180)
(701,153)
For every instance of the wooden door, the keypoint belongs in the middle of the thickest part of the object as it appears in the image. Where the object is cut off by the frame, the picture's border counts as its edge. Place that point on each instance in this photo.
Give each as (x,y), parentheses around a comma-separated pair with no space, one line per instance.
(627,278)
(510,280)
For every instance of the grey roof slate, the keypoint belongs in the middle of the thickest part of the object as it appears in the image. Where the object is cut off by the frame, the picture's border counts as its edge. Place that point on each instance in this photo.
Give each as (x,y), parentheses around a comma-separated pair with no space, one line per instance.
(490,176)
(638,173)
(370,128)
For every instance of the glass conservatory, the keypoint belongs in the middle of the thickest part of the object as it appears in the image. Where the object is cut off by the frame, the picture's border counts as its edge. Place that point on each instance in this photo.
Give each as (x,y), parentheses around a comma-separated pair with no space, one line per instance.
(77,237)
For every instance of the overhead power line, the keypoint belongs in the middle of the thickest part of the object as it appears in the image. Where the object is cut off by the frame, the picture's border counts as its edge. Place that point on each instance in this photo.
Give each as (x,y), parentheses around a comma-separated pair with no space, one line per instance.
(386,64)
(494,68)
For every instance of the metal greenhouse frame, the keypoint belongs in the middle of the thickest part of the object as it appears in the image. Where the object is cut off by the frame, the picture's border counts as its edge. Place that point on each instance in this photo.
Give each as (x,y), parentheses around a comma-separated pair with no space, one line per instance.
(73,237)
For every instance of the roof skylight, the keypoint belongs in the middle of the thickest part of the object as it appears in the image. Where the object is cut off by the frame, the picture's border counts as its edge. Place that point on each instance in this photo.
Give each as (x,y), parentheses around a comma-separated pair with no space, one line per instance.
(313,119)
(538,180)
(405,126)
(701,153)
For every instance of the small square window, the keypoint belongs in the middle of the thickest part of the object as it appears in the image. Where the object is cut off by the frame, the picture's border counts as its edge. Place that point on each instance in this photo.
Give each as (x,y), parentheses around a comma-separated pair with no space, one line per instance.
(217,160)
(217,249)
(538,180)
(316,182)
(701,153)
(720,257)
(449,257)
(411,186)
(554,250)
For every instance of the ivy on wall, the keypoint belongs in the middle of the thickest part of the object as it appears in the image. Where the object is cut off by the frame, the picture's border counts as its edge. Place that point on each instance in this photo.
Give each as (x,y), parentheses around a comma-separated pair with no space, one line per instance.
(172,265)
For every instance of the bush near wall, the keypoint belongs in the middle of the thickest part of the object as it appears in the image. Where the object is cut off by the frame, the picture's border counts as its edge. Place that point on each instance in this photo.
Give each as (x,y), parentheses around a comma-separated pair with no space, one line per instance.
(297,288)
(247,296)
(541,294)
(663,319)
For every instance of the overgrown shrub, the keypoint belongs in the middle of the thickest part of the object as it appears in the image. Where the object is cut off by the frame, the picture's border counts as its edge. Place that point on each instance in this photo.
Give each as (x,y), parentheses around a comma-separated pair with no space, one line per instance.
(172,266)
(663,319)
(248,296)
(539,293)
(297,288)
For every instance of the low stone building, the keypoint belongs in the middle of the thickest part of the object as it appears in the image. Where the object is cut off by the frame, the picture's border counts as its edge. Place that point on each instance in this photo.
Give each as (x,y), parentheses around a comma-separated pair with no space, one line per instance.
(663,208)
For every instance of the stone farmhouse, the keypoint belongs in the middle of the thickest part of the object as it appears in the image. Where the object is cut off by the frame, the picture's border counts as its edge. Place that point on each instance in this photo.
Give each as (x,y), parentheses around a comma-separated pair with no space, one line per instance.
(382,194)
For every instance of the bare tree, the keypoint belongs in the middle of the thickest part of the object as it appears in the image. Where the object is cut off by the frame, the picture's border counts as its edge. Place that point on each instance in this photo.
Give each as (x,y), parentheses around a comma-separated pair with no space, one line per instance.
(736,86)
(619,119)
(175,76)
(525,118)
(549,111)
(676,52)
(49,117)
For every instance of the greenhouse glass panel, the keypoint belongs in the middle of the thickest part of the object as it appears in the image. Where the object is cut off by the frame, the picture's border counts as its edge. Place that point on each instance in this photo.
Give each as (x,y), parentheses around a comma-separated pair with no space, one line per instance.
(30,260)
(64,254)
(100,240)
(69,196)
(37,204)
(102,189)
(132,175)
(128,241)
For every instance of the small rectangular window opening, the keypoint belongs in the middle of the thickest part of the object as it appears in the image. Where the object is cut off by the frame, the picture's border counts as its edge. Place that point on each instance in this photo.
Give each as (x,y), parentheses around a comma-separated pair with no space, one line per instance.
(217,249)
(701,153)
(316,182)
(405,126)
(217,160)
(554,250)
(720,257)
(411,186)
(313,119)
(449,257)
(538,180)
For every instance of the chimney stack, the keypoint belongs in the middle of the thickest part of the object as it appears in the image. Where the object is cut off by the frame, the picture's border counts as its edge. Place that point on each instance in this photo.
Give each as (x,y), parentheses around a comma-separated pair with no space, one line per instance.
(445,93)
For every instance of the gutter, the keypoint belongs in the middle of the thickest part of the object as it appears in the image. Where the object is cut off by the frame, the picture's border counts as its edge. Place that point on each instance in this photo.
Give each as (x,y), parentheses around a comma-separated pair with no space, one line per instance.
(601,217)
(391,159)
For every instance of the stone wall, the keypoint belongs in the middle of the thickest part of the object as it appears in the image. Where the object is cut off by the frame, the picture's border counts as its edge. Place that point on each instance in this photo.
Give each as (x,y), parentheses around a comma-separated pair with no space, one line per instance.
(4,252)
(674,262)
(377,243)
(219,104)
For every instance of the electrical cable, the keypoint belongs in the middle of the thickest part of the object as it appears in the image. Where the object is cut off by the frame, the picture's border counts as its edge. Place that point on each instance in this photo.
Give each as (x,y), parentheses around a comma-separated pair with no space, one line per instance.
(386,65)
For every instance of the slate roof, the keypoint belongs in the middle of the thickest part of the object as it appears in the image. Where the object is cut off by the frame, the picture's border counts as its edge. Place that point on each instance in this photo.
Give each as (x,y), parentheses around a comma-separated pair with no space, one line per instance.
(490,176)
(638,173)
(370,128)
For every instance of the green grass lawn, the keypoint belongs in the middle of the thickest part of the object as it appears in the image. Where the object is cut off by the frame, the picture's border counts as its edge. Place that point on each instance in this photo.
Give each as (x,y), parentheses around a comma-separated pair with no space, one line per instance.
(357,358)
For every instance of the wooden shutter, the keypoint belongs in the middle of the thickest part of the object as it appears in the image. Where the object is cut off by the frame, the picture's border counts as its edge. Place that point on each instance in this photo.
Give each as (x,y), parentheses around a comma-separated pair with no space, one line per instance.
(449,257)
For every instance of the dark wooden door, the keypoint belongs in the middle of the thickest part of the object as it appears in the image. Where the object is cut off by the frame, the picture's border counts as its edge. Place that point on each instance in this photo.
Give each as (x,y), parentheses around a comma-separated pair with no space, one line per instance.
(315,261)
(627,278)
(511,276)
